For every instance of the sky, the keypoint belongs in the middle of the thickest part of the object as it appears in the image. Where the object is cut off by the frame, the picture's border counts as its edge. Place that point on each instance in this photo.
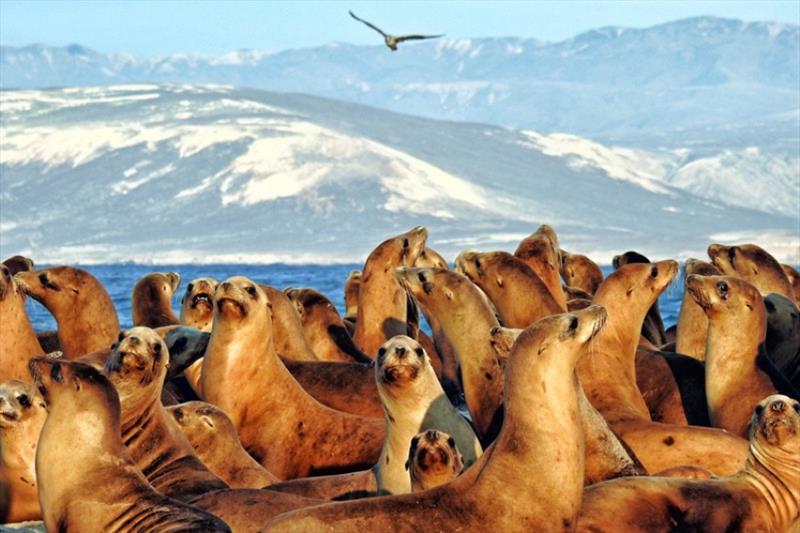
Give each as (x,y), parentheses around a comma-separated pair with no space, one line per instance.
(153,28)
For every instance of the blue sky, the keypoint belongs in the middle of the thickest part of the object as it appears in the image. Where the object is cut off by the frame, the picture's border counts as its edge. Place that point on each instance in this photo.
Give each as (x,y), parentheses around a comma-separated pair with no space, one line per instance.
(160,27)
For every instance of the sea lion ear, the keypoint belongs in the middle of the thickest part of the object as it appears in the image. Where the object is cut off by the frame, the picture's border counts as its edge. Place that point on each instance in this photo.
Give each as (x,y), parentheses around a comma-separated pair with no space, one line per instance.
(448,293)
(499,281)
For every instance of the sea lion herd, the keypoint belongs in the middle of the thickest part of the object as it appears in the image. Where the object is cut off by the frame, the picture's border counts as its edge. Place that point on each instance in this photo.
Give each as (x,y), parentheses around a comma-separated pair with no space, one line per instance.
(257,409)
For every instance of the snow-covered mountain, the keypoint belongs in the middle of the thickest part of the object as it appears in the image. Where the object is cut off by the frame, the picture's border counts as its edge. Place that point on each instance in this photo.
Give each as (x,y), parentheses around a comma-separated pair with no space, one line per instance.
(176,173)
(692,82)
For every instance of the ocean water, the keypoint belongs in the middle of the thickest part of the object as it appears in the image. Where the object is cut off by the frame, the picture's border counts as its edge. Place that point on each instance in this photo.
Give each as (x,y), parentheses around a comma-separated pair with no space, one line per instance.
(119,280)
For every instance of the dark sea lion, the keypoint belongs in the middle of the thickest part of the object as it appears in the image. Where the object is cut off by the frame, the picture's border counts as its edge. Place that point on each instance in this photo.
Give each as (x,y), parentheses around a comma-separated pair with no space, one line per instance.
(763,496)
(541,253)
(753,264)
(87,480)
(783,336)
(692,329)
(433,460)
(544,443)
(382,304)
(581,272)
(151,300)
(243,375)
(18,342)
(86,317)
(22,415)
(18,263)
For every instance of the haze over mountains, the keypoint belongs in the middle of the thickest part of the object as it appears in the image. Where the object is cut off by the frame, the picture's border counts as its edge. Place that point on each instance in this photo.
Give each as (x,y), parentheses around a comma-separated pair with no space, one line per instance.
(694,126)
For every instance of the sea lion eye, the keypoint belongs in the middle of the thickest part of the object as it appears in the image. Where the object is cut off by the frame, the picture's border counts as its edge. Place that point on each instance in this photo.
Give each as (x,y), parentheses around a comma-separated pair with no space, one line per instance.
(759,410)
(405,243)
(573,324)
(157,347)
(121,336)
(381,352)
(24,400)
(722,287)
(654,272)
(250,290)
(731,253)
(419,351)
(451,442)
(421,277)
(797,407)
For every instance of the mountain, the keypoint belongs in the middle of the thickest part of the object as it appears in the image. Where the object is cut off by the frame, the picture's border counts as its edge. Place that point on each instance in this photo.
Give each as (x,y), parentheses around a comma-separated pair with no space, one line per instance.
(695,82)
(180,173)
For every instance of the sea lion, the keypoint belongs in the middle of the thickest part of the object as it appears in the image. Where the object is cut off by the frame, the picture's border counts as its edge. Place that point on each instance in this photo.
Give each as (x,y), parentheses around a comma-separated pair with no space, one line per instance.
(382,302)
(581,272)
(783,336)
(692,328)
(87,480)
(137,368)
(653,326)
(686,471)
(241,364)
(431,258)
(608,377)
(541,253)
(735,381)
(753,264)
(18,263)
(763,496)
(197,307)
(324,328)
(433,460)
(18,342)
(542,443)
(413,401)
(151,300)
(352,286)
(794,279)
(22,415)
(214,439)
(466,318)
(517,292)
(287,329)
(86,317)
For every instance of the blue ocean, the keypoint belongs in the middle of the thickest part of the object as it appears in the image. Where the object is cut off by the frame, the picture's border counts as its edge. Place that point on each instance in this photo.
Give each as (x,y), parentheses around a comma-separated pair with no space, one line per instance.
(119,280)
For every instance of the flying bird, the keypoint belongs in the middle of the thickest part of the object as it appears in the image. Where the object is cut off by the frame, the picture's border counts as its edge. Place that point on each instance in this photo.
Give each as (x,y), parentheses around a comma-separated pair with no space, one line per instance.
(392,40)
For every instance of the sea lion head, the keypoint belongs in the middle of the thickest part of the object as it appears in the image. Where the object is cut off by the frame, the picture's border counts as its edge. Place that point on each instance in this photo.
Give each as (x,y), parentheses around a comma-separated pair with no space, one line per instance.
(754,264)
(203,421)
(541,247)
(308,301)
(20,403)
(725,297)
(239,299)
(399,362)
(775,428)
(7,284)
(19,263)
(433,459)
(197,304)
(404,249)
(502,339)
(57,288)
(433,287)
(137,364)
(636,286)
(579,271)
(699,267)
(158,284)
(430,258)
(74,385)
(627,258)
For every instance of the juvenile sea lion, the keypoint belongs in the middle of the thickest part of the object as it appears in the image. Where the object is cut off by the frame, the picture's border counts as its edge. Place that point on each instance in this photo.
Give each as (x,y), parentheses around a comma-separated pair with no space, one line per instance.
(542,443)
(433,460)
(540,252)
(151,300)
(413,401)
(324,328)
(18,342)
(653,326)
(352,286)
(519,295)
(382,302)
(753,264)
(608,377)
(86,317)
(22,415)
(692,328)
(87,480)
(737,328)
(197,306)
(214,439)
(241,364)
(581,272)
(763,496)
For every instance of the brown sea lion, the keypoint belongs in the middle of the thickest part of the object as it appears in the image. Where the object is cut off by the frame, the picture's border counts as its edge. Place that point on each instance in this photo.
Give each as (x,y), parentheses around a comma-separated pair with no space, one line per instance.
(324,328)
(431,258)
(433,460)
(87,480)
(466,318)
(18,342)
(686,471)
(653,326)
(137,368)
(608,377)
(382,302)
(18,263)
(753,264)
(352,287)
(214,439)
(737,328)
(519,295)
(794,279)
(151,300)
(22,415)
(541,253)
(763,496)
(285,429)
(287,329)
(197,306)
(86,317)
(581,272)
(413,401)
(692,329)
(542,443)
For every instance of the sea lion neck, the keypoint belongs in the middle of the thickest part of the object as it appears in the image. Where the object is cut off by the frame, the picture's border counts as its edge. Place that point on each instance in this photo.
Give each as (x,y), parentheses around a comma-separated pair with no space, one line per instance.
(780,490)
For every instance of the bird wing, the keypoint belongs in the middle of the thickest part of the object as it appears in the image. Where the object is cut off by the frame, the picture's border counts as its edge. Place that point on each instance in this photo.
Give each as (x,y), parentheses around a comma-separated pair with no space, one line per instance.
(415,37)
(374,27)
